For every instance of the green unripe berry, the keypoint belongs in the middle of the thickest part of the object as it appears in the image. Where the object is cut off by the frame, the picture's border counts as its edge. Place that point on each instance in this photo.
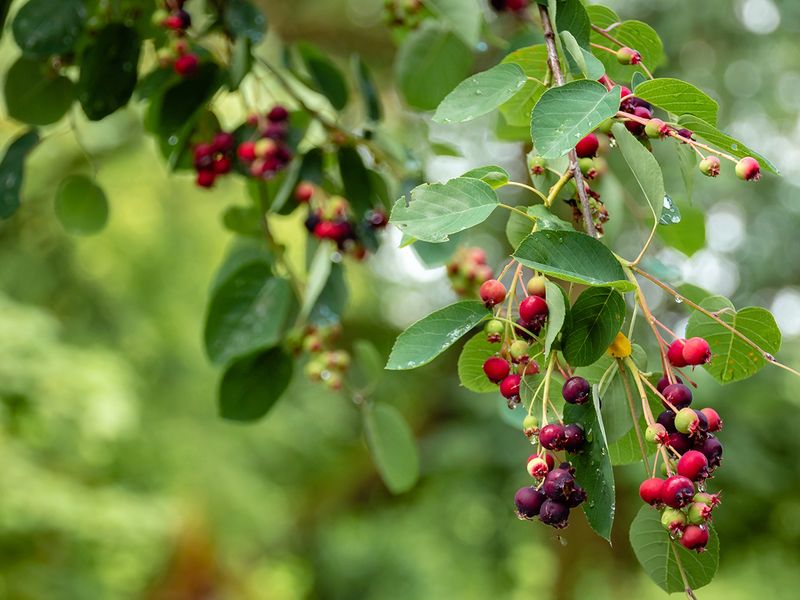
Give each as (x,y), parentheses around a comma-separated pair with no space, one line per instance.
(586,165)
(686,420)
(698,513)
(709,166)
(494,329)
(536,165)
(313,370)
(518,350)
(530,422)
(655,432)
(536,286)
(628,56)
(672,519)
(605,126)
(655,128)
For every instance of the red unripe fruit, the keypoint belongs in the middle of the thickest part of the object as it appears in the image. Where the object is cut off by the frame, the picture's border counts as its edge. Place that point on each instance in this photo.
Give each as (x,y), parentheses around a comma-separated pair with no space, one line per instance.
(624,91)
(532,307)
(695,537)
(222,165)
(696,351)
(604,79)
(628,56)
(537,467)
(552,436)
(515,5)
(693,465)
(304,192)
(509,387)
(492,292)
(679,442)
(587,147)
(186,65)
(710,166)
(713,418)
(206,178)
(650,490)
(247,151)
(748,169)
(278,113)
(173,22)
(675,353)
(496,369)
(224,141)
(635,127)
(677,492)
(204,157)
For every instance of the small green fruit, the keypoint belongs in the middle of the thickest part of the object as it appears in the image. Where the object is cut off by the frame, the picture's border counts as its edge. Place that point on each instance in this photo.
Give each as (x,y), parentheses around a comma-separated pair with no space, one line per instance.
(686,420)
(518,350)
(655,432)
(673,519)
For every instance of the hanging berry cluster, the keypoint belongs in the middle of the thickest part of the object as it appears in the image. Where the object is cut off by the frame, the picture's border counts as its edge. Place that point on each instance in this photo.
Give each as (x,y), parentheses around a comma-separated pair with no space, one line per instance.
(467,271)
(213,159)
(177,20)
(326,364)
(266,152)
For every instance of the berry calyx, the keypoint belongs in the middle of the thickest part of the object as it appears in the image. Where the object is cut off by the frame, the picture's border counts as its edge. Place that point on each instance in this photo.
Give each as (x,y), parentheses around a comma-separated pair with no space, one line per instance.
(698,513)
(531,308)
(650,490)
(554,513)
(496,369)
(713,418)
(628,56)
(711,500)
(574,438)
(576,390)
(530,425)
(656,433)
(675,353)
(696,351)
(678,395)
(528,501)
(695,537)
(536,286)
(509,387)
(673,520)
(686,421)
(587,146)
(552,436)
(709,166)
(748,169)
(494,329)
(519,350)
(492,292)
(677,492)
(693,465)
(537,165)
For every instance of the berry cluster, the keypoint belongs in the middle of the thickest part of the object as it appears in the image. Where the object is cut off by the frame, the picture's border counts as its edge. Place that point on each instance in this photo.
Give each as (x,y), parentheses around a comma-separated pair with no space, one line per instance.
(326,364)
(509,5)
(467,271)
(214,158)
(403,13)
(267,153)
(175,19)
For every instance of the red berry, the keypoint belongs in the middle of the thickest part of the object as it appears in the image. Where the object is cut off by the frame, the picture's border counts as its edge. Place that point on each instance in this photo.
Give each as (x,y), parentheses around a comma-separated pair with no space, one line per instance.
(186,65)
(664,382)
(515,5)
(677,491)
(496,369)
(628,56)
(678,395)
(624,91)
(203,157)
(679,442)
(576,390)
(574,437)
(552,436)
(492,292)
(693,465)
(509,387)
(748,169)
(247,151)
(587,147)
(528,501)
(696,351)
(695,537)
(222,165)
(224,141)
(537,467)
(532,307)
(713,418)
(675,353)
(650,490)
(278,113)
(304,192)
(206,178)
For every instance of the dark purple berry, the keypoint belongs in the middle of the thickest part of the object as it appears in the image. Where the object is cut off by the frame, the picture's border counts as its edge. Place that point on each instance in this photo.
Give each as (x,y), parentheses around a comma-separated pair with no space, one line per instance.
(558,484)
(574,437)
(576,497)
(712,448)
(664,382)
(680,442)
(667,419)
(554,513)
(528,500)
(552,436)
(576,390)
(678,395)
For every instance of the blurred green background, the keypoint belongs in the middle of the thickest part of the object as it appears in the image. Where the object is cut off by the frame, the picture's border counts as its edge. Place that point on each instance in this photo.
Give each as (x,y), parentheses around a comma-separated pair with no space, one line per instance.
(118,481)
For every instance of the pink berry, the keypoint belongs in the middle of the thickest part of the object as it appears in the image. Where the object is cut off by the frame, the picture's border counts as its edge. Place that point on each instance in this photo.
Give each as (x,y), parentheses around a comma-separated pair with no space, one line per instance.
(713,418)
(532,307)
(693,465)
(748,169)
(628,56)
(677,491)
(186,65)
(587,147)
(675,353)
(695,537)
(650,490)
(247,151)
(696,351)
(509,386)
(492,292)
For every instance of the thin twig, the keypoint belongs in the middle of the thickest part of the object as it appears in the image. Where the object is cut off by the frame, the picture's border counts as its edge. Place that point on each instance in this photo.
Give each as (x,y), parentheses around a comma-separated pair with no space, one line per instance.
(527,187)
(634,418)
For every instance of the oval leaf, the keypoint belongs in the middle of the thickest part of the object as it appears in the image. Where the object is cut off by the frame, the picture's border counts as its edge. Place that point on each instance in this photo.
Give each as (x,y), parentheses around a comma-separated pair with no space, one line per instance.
(480,94)
(251,386)
(35,95)
(11,171)
(430,336)
(644,167)
(679,98)
(43,28)
(81,205)
(493,175)
(244,20)
(594,321)
(392,447)
(326,78)
(470,364)
(558,308)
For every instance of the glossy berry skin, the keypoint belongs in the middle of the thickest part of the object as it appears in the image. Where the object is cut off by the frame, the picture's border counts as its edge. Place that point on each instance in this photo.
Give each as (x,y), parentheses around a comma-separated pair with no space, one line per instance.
(650,490)
(675,353)
(656,434)
(186,65)
(554,513)
(574,438)
(519,351)
(492,292)
(206,179)
(673,520)
(712,449)
(494,329)
(222,165)
(558,484)
(686,421)
(304,192)
(628,56)
(713,418)
(576,390)
(695,537)
(748,169)
(678,395)
(698,513)
(656,128)
(710,166)
(635,127)
(552,436)
(528,501)
(587,146)
(664,382)
(696,351)
(496,369)
(667,419)
(246,151)
(509,387)
(576,496)
(679,442)
(677,492)
(536,286)
(686,133)
(532,307)
(693,465)
(278,114)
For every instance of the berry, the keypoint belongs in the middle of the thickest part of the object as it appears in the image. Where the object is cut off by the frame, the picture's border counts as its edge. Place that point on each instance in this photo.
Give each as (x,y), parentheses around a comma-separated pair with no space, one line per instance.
(686,134)
(650,490)
(519,351)
(558,484)
(678,395)
(656,433)
(515,5)
(667,420)
(496,369)
(537,165)
(509,387)
(530,367)
(224,142)
(536,286)
(675,353)
(711,500)
(695,537)
(696,351)
(673,520)
(246,151)
(656,128)
(206,178)
(677,492)
(528,500)
(222,165)
(628,56)
(186,65)
(679,442)
(576,390)
(686,421)
(587,146)
(492,292)
(635,127)
(376,218)
(554,513)
(709,166)
(203,157)
(494,329)
(698,513)
(576,496)
(278,114)
(664,382)
(574,437)
(537,467)
(531,308)
(748,169)
(530,425)
(712,448)
(713,418)
(587,168)
(552,436)
(693,465)
(303,192)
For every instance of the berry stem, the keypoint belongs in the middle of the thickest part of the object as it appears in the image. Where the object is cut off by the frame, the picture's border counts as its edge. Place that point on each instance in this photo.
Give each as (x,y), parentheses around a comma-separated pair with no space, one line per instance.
(687,588)
(555,68)
(525,186)
(603,48)
(611,38)
(665,328)
(648,414)
(557,187)
(546,393)
(512,292)
(634,419)
(535,394)
(514,209)
(660,395)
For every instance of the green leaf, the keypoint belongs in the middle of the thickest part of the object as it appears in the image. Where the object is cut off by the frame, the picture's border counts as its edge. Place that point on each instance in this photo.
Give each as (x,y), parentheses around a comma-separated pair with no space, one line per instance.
(392,446)
(563,115)
(326,78)
(437,210)
(689,235)
(369,91)
(367,370)
(687,159)
(43,28)
(637,78)
(430,336)
(356,180)
(594,321)
(480,94)
(593,469)
(35,95)
(585,63)
(470,364)
(670,213)
(81,205)
(626,450)
(678,97)
(332,300)
(464,18)
(723,141)
(532,59)
(644,167)
(108,71)
(572,256)
(242,251)
(732,359)
(493,175)
(558,306)
(572,18)
(243,220)
(430,63)
(247,313)
(252,385)
(318,274)
(12,170)
(655,551)
(244,20)
(241,62)
(517,109)
(172,109)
